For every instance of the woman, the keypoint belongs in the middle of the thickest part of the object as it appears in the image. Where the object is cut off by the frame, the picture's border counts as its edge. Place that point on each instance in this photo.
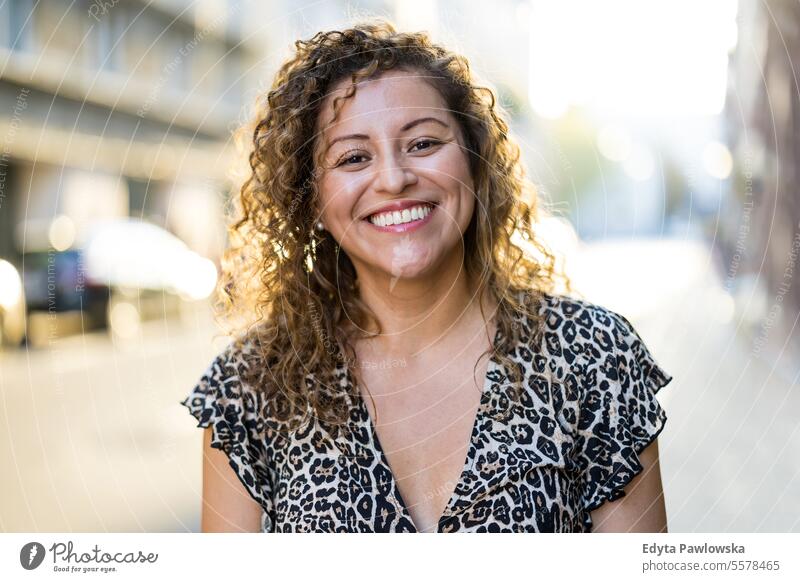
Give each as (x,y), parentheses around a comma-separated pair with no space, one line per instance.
(401,363)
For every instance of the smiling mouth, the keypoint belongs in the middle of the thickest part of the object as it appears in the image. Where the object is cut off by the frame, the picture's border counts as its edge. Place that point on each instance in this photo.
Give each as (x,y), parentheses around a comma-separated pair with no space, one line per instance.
(406,216)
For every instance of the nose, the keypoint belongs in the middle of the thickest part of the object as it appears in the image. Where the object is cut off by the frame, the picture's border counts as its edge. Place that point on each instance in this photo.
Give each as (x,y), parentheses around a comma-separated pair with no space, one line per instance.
(391,177)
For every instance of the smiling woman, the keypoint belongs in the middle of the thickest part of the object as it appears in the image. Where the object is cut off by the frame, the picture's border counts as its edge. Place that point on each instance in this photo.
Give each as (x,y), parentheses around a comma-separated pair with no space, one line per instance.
(379,225)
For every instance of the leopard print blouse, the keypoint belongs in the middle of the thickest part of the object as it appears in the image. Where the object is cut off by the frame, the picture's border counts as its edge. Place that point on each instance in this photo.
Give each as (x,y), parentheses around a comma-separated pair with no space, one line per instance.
(538,464)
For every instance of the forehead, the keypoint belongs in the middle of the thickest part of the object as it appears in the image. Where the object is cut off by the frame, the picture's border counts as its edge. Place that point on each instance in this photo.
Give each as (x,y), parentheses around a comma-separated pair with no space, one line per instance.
(393,95)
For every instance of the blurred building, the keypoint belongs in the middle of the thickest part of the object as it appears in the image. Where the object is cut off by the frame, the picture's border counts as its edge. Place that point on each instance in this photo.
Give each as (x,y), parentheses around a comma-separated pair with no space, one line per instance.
(115,109)
(120,108)
(761,218)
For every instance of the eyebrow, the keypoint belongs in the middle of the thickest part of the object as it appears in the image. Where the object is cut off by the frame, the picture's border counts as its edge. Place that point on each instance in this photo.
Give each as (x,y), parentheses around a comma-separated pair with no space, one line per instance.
(406,127)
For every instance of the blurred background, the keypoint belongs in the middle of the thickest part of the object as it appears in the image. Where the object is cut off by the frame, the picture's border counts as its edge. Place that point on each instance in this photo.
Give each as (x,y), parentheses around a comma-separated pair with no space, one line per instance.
(663,137)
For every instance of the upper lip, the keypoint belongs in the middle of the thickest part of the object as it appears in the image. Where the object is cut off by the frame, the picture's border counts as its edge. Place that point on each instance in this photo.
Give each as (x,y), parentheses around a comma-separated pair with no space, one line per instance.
(398,205)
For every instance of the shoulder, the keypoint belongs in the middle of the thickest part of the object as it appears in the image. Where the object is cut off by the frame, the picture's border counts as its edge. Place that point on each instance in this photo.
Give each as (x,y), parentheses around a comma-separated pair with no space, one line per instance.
(604,339)
(581,312)
(581,326)
(231,362)
(224,387)
(589,340)
(232,410)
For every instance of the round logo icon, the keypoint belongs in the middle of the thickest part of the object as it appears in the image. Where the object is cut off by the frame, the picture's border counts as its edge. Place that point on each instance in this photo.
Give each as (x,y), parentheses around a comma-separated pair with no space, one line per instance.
(31,555)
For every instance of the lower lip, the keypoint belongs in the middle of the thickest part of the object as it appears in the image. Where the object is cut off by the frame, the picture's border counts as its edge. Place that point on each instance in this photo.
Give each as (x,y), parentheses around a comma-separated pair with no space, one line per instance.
(405,227)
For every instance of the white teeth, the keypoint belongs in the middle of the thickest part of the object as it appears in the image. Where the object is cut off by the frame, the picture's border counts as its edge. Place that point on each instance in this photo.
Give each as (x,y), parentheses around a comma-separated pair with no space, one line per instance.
(400,217)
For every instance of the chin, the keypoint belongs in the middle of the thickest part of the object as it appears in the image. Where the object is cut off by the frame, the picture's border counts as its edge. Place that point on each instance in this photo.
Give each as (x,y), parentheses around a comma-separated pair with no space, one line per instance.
(407,270)
(406,259)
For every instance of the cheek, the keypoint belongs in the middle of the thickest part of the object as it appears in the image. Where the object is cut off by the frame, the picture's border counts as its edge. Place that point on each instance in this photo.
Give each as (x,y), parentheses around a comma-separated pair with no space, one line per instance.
(466,192)
(470,207)
(452,168)
(455,178)
(337,198)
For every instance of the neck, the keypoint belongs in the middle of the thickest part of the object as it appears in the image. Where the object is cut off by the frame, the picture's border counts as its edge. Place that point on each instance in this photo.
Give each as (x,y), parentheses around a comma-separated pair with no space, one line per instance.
(421,313)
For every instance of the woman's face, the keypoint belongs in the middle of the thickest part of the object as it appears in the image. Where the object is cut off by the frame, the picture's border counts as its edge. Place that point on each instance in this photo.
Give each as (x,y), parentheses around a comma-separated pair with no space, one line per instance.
(395,187)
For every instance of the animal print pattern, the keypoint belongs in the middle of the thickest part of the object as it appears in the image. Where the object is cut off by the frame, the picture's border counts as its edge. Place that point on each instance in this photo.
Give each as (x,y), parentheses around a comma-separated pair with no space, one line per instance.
(541,464)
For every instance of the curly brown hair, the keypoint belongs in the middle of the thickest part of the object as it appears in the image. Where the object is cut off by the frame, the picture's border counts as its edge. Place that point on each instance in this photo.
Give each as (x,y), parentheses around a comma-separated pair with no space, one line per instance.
(292,290)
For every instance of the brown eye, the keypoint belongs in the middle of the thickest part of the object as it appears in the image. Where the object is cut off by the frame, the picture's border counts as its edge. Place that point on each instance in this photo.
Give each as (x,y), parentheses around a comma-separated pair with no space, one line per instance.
(424,144)
(350,159)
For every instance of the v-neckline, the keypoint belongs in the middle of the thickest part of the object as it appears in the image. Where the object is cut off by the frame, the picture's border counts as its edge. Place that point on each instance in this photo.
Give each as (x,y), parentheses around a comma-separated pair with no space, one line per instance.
(469,461)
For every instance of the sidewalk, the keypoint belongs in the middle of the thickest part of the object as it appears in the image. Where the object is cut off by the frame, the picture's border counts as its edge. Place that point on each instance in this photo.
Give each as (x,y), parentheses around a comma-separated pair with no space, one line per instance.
(730,453)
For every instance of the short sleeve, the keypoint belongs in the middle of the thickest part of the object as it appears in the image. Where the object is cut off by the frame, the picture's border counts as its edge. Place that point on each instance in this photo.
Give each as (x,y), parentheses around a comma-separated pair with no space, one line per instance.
(233,411)
(620,416)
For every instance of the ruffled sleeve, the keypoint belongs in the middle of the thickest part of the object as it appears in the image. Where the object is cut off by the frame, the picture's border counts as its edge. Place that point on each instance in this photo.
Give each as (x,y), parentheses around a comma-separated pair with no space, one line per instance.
(620,416)
(233,411)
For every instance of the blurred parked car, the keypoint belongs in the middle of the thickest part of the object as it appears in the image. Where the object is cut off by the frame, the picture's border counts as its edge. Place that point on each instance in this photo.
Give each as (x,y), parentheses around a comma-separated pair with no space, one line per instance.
(124,271)
(12,306)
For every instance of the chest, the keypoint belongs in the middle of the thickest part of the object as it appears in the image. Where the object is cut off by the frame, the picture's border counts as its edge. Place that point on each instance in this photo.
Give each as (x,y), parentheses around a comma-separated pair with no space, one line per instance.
(422,467)
(424,417)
